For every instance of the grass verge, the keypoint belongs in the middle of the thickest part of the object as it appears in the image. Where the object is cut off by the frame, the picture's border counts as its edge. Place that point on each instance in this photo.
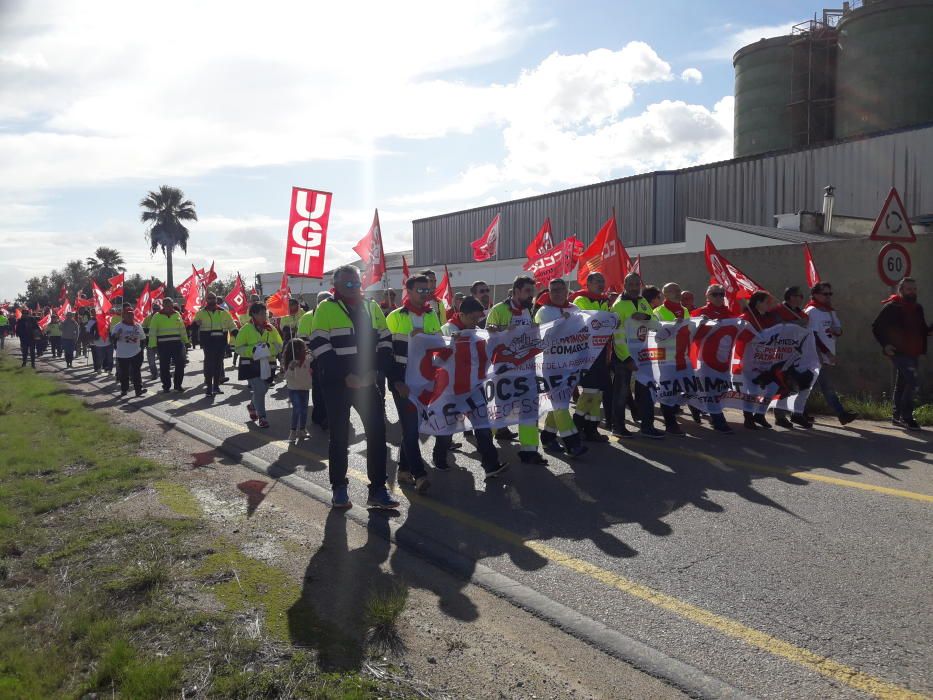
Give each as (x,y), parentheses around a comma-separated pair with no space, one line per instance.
(136,607)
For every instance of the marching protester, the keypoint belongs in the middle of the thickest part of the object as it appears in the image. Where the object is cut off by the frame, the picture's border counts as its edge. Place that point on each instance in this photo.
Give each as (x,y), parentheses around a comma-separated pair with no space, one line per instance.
(414,317)
(4,328)
(715,309)
(213,325)
(54,332)
(823,321)
(479,290)
(653,296)
(436,304)
(671,310)
(350,341)
(128,338)
(467,320)
(258,343)
(27,330)
(760,313)
(151,352)
(71,331)
(101,347)
(630,304)
(296,359)
(559,426)
(512,313)
(598,378)
(687,299)
(167,334)
(388,304)
(901,330)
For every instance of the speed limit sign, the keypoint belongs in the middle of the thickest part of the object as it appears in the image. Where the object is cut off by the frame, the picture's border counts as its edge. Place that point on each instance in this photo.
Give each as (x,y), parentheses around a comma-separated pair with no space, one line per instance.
(893,263)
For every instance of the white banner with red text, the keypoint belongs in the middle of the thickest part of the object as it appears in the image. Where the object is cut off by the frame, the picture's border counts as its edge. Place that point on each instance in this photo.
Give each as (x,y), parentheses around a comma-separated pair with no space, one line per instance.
(478,379)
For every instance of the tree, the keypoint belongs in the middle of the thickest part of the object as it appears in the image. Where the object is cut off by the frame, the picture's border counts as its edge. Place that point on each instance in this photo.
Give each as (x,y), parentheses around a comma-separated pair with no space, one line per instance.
(164,210)
(105,263)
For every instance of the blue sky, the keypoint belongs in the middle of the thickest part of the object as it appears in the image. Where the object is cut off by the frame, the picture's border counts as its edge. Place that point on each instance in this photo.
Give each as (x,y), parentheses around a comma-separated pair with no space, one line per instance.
(417,108)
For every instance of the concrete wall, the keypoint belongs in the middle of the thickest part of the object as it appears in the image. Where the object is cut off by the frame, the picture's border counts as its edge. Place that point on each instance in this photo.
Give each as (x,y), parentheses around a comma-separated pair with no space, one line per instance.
(850,266)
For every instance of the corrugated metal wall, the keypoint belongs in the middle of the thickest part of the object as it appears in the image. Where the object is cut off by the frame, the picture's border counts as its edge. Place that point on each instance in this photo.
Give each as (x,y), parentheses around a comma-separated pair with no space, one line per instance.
(652,208)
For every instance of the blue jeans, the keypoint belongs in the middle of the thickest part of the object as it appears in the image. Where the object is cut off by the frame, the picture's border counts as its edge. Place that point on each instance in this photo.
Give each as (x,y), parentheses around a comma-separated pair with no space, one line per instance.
(905,384)
(299,401)
(257,390)
(824,382)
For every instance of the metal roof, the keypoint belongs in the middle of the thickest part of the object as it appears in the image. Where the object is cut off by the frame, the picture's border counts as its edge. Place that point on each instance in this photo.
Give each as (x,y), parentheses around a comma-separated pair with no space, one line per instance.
(778,234)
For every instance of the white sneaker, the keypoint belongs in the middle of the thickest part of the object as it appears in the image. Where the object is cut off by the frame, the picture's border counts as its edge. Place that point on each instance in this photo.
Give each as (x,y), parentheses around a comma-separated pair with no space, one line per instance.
(292,435)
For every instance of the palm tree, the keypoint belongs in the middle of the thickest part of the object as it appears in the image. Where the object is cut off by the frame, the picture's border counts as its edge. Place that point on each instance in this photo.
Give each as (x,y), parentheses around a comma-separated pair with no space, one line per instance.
(106,263)
(164,210)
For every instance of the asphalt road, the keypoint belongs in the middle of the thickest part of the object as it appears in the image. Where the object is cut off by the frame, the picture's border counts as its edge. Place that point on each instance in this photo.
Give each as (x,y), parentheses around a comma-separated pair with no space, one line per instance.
(791,564)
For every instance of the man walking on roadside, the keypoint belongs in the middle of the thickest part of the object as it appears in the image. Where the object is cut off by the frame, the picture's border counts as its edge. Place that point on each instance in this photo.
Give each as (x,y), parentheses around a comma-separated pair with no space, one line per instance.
(27,330)
(71,331)
(350,341)
(167,334)
(597,379)
(151,351)
(128,339)
(213,324)
(901,330)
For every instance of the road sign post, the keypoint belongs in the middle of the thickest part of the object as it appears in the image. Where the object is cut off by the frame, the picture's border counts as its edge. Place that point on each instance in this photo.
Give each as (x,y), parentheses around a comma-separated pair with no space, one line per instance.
(893,263)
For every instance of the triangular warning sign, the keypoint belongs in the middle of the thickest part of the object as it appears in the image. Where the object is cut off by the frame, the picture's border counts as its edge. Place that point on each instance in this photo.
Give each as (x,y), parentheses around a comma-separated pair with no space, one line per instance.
(893,223)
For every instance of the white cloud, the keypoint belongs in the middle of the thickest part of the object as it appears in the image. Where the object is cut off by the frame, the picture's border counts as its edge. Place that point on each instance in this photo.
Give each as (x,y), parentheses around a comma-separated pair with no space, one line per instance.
(726,48)
(691,75)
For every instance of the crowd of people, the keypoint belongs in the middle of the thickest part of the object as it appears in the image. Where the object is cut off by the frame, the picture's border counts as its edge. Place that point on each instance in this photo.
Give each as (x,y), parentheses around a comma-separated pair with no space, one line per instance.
(352,352)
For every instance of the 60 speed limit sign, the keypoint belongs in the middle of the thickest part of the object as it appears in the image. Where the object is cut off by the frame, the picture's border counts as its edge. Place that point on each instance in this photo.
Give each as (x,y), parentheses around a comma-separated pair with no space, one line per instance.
(893,263)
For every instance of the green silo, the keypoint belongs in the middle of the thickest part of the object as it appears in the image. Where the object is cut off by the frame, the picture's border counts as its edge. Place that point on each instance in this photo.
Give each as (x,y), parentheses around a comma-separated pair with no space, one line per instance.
(762,94)
(884,77)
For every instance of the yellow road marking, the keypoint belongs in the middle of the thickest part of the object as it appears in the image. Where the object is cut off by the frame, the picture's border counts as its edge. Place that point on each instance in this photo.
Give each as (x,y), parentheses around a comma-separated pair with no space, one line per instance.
(823,665)
(766,469)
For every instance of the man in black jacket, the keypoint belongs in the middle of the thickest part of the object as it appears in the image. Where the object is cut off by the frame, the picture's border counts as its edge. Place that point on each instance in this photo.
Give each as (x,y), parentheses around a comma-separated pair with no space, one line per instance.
(27,330)
(902,331)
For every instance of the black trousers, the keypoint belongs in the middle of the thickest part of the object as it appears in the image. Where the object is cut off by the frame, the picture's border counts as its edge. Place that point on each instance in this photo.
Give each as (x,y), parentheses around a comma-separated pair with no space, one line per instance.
(623,398)
(56,342)
(215,346)
(171,351)
(28,348)
(371,408)
(128,370)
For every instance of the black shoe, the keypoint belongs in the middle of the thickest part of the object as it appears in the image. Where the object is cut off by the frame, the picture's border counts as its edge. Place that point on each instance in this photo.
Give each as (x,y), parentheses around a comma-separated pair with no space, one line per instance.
(696,415)
(674,429)
(898,421)
(179,390)
(506,434)
(124,392)
(802,420)
(218,390)
(166,390)
(441,463)
(652,433)
(496,470)
(528,457)
(140,392)
(784,422)
(762,421)
(209,391)
(724,429)
(551,445)
(847,417)
(622,432)
(912,424)
(750,423)
(455,446)
(595,436)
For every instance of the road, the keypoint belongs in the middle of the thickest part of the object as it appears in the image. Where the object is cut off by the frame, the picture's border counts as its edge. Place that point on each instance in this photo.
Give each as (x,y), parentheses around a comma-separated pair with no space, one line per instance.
(792,564)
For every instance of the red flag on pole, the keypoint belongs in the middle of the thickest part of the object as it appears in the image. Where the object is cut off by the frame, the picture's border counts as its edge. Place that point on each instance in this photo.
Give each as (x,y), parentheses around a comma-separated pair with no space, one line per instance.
(194,300)
(102,308)
(190,280)
(116,286)
(143,305)
(45,321)
(813,276)
(277,304)
(556,262)
(737,285)
(307,233)
(406,273)
(487,246)
(541,244)
(157,294)
(445,291)
(370,251)
(207,278)
(607,255)
(236,299)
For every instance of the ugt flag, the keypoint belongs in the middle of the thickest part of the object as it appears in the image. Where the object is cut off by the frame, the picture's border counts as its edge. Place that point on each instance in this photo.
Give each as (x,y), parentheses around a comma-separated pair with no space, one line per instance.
(307,233)
(481,379)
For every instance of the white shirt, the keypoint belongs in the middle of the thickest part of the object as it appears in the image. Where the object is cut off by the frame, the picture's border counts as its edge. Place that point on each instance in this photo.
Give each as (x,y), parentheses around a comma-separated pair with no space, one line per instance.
(128,339)
(820,322)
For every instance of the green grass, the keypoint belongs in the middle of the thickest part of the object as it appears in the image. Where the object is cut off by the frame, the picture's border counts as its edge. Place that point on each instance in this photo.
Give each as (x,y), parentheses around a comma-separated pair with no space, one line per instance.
(868,407)
(381,614)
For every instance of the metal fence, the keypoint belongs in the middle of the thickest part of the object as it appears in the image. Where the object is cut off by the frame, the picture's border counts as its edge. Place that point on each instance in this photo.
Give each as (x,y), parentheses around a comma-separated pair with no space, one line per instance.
(652,208)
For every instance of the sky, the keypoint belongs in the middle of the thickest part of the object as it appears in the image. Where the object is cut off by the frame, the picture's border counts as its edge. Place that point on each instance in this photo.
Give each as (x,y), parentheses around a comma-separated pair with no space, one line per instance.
(417,108)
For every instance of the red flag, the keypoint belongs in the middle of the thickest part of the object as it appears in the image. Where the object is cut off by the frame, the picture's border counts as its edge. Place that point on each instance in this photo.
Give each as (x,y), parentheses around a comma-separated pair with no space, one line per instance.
(607,255)
(737,285)
(542,243)
(236,299)
(406,273)
(813,276)
(62,310)
(277,304)
(157,294)
(307,233)
(556,262)
(82,301)
(370,251)
(45,321)
(487,246)
(143,305)
(207,277)
(102,308)
(116,286)
(445,291)
(189,282)
(194,300)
